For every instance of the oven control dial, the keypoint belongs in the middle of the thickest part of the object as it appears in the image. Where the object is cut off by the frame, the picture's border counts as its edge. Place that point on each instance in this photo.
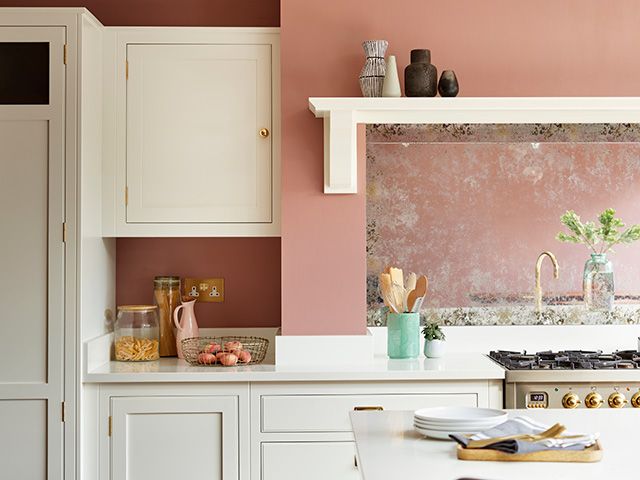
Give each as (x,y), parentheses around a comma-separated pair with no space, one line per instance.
(617,400)
(593,400)
(635,400)
(570,400)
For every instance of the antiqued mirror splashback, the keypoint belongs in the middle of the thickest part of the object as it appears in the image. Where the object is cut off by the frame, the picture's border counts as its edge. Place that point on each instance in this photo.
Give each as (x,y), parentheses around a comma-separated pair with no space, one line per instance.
(473,206)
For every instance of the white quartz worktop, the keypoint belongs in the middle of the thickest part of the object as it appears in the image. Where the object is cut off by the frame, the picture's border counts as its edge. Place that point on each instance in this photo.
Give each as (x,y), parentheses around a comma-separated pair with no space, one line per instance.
(388,447)
(455,366)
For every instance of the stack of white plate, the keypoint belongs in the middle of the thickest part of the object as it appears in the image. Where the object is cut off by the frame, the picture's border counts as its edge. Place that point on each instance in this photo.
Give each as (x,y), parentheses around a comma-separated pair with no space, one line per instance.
(440,422)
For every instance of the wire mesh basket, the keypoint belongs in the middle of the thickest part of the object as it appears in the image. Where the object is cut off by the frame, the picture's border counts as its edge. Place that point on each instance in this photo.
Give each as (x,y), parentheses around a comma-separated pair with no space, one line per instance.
(193,347)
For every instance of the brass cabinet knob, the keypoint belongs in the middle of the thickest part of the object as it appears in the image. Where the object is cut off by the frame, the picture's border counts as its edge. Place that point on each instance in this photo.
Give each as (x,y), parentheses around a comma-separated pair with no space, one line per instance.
(593,400)
(264,132)
(617,400)
(635,400)
(570,400)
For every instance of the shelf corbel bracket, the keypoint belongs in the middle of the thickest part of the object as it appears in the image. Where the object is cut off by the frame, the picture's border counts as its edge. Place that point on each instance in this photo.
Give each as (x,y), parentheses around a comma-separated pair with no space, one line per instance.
(340,152)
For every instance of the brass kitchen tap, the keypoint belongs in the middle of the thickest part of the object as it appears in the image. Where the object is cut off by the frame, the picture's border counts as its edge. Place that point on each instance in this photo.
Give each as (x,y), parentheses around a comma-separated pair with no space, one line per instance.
(556,269)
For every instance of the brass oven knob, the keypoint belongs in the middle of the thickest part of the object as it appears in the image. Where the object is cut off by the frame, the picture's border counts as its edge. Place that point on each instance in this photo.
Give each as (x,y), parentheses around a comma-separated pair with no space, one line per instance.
(617,400)
(635,400)
(593,400)
(570,400)
(264,132)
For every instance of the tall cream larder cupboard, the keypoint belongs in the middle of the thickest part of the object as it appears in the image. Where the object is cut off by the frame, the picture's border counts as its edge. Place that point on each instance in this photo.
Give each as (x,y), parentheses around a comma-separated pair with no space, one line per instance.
(40,179)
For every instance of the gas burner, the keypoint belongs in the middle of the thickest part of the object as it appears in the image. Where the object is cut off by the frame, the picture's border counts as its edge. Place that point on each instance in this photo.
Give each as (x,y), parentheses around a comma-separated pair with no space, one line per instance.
(628,355)
(567,360)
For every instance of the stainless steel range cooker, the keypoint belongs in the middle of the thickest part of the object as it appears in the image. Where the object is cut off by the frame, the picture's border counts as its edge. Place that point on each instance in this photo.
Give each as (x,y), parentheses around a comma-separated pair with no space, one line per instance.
(571,379)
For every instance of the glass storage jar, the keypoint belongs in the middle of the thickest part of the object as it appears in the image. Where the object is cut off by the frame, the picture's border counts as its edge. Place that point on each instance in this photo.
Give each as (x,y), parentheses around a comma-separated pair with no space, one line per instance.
(166,295)
(136,333)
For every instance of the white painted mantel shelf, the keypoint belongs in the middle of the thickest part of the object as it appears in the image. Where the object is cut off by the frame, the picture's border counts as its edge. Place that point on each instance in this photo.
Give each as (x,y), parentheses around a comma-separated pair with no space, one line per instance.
(342,115)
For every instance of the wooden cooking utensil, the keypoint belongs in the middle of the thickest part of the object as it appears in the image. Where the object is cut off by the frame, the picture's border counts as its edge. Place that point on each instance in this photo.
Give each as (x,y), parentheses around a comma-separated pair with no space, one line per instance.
(409,285)
(422,283)
(397,282)
(386,290)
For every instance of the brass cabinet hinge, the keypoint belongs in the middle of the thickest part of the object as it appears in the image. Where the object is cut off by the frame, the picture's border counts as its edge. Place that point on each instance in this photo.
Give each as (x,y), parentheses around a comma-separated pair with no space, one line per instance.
(126,69)
(110,427)
(64,53)
(126,196)
(62,412)
(64,232)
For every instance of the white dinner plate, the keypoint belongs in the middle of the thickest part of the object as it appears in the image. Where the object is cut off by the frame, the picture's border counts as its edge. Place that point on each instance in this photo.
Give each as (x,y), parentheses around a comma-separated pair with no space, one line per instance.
(457,428)
(456,415)
(438,434)
(459,425)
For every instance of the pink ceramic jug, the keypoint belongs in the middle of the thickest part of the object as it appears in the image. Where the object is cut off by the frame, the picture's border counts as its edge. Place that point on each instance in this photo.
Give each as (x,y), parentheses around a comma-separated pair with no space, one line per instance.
(186,325)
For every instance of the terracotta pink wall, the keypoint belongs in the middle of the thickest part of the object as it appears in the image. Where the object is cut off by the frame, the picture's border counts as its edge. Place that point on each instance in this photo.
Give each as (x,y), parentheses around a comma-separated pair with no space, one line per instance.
(497,47)
(223,13)
(250,268)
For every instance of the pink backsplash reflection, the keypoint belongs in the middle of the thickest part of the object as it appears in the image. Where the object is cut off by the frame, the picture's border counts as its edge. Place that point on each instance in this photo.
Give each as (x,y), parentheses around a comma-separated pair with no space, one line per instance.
(474,216)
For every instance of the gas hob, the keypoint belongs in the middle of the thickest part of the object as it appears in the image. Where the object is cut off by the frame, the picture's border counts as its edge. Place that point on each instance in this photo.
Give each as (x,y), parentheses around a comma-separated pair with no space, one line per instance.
(567,360)
(571,379)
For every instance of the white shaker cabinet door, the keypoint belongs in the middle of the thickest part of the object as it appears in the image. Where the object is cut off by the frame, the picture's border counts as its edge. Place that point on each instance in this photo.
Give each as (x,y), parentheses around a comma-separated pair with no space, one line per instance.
(168,438)
(32,252)
(198,143)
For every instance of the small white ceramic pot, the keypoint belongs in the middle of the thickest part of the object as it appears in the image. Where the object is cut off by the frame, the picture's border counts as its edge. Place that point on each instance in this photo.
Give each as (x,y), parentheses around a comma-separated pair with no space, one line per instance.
(435,348)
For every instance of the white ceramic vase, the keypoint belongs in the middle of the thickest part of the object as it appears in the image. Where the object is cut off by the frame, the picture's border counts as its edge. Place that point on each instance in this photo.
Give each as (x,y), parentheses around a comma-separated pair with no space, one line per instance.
(391,85)
(435,348)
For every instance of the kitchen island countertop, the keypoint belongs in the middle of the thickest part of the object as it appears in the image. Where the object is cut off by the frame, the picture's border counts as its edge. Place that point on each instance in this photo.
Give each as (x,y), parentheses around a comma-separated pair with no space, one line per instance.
(388,447)
(454,366)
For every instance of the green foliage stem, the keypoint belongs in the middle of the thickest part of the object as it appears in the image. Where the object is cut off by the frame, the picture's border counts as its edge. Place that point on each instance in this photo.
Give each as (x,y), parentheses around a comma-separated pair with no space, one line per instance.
(606,234)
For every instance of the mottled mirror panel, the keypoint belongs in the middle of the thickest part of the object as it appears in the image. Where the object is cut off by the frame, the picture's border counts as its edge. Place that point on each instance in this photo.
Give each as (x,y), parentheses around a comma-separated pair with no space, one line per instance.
(472,207)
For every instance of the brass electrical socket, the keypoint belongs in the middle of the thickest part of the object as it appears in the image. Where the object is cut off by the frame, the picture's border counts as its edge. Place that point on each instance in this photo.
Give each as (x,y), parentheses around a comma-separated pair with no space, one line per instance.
(205,289)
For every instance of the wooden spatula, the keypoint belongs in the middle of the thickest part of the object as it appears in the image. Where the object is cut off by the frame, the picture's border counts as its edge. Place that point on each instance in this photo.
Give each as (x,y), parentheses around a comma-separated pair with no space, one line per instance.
(409,285)
(397,284)
(422,284)
(386,290)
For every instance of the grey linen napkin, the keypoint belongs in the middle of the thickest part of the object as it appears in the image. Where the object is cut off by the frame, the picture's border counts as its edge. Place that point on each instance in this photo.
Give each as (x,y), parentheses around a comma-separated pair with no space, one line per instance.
(524,425)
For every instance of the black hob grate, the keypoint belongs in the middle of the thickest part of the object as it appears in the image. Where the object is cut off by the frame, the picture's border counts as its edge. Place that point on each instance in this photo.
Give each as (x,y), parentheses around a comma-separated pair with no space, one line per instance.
(567,360)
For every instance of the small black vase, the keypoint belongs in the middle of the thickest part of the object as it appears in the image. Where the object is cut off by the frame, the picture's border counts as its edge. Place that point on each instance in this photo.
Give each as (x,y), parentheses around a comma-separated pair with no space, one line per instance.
(420,76)
(448,84)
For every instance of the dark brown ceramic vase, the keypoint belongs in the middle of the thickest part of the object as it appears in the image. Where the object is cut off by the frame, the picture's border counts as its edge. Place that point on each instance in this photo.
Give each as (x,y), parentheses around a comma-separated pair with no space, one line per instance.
(420,76)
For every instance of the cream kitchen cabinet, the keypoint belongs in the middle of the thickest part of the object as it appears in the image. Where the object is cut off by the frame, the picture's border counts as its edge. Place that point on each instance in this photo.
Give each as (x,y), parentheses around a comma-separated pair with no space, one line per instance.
(192,144)
(164,433)
(302,430)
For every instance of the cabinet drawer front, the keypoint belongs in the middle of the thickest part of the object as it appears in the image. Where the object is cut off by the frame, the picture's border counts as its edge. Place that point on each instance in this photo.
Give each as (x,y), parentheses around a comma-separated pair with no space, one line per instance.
(309,461)
(330,413)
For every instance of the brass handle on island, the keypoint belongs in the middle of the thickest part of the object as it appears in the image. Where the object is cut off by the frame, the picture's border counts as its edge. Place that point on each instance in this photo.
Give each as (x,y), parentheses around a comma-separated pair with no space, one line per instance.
(368,408)
(264,132)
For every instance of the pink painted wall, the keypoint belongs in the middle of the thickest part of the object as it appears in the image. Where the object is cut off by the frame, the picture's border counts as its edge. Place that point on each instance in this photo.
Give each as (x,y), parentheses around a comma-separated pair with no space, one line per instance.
(497,47)
(191,13)
(250,268)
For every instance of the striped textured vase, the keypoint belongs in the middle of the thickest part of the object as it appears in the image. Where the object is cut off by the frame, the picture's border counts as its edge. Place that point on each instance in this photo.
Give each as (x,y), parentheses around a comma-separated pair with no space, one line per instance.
(372,74)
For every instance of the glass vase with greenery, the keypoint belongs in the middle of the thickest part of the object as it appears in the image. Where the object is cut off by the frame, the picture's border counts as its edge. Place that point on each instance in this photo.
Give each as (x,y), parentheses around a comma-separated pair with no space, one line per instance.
(597,280)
